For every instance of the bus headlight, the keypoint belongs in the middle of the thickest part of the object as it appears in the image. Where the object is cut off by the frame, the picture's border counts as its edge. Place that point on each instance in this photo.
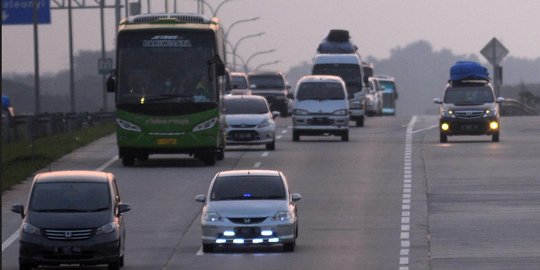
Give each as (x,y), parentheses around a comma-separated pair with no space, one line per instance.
(206,124)
(127,125)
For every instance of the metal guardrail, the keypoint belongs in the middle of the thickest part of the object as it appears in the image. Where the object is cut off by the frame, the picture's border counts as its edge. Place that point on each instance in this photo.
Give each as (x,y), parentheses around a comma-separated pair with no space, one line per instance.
(29,127)
(513,107)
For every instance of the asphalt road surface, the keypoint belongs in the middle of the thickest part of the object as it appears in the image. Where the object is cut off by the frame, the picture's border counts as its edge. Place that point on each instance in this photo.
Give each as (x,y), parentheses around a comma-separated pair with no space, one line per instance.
(392,197)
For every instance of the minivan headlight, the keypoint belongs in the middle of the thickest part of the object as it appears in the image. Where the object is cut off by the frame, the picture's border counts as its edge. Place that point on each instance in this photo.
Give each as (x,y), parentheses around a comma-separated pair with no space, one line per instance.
(340,112)
(30,229)
(107,228)
(446,112)
(490,112)
(300,111)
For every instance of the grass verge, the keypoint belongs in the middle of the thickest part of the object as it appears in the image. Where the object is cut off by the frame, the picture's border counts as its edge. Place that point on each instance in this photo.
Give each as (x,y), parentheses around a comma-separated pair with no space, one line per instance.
(19,161)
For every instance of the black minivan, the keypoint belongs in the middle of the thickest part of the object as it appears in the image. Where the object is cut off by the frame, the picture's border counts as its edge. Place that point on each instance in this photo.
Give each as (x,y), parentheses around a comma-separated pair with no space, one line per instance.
(72,217)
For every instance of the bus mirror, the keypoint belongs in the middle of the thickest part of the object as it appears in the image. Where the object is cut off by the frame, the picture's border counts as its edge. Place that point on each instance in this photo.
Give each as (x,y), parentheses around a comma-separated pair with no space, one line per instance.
(220,67)
(111,83)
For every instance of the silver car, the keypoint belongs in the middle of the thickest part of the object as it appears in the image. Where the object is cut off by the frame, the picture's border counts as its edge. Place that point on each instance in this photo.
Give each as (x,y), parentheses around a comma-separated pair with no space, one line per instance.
(249,207)
(248,121)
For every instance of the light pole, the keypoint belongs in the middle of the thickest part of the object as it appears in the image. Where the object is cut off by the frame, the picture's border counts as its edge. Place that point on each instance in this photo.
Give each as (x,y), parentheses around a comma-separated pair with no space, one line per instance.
(239,58)
(246,65)
(266,64)
(238,43)
(237,22)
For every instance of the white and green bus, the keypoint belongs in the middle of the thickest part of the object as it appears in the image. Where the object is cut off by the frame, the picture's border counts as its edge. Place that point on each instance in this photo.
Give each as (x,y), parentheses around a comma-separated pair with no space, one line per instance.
(169,82)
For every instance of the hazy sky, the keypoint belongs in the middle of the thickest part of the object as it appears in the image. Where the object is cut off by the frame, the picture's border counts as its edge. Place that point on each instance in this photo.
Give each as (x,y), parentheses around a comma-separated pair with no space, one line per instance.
(295,27)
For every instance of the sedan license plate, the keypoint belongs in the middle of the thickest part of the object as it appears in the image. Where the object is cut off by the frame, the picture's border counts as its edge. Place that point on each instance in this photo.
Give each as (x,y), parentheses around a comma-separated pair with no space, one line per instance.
(167,141)
(248,231)
(242,136)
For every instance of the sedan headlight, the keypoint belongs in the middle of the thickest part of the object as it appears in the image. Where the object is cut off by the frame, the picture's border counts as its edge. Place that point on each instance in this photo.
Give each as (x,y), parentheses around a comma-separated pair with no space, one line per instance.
(282,216)
(106,229)
(341,112)
(212,216)
(300,111)
(206,124)
(30,229)
(264,123)
(127,125)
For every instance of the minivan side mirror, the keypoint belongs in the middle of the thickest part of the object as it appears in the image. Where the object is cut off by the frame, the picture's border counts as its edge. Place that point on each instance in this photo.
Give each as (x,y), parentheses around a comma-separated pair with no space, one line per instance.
(123,207)
(253,86)
(500,100)
(19,209)
(437,101)
(200,198)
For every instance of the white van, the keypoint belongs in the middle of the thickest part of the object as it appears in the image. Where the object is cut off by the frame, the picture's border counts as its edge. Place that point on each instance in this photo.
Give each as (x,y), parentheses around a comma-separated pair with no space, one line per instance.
(320,107)
(349,68)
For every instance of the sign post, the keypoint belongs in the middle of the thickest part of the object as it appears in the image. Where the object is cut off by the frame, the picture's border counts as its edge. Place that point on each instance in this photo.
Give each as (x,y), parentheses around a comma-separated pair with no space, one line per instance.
(494,52)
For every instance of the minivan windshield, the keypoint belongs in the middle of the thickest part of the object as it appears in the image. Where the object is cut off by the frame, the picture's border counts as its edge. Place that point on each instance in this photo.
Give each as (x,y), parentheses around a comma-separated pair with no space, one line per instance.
(70,197)
(320,91)
(469,95)
(249,187)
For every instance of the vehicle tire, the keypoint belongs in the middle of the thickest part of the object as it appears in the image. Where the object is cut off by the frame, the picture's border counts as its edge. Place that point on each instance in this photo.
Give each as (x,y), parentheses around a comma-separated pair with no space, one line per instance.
(221,154)
(360,122)
(209,159)
(121,261)
(128,160)
(345,136)
(443,138)
(284,113)
(495,137)
(143,156)
(271,146)
(295,136)
(208,248)
(289,247)
(25,266)
(114,265)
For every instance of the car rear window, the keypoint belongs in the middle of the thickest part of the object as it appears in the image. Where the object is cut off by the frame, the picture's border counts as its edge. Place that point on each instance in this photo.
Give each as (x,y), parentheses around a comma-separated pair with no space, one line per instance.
(249,187)
(244,106)
(266,81)
(239,82)
(70,197)
(320,91)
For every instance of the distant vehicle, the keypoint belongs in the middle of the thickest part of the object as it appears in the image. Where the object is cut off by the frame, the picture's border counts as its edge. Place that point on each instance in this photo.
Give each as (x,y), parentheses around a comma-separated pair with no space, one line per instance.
(249,208)
(239,84)
(320,107)
(348,67)
(72,217)
(169,81)
(469,106)
(273,87)
(374,98)
(387,85)
(249,121)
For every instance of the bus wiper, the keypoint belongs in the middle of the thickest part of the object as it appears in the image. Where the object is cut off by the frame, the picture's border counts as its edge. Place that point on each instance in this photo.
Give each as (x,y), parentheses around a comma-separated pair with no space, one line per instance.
(63,210)
(161,97)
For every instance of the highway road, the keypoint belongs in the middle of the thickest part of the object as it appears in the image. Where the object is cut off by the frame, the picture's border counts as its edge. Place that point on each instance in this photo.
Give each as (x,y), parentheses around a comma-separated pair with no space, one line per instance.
(392,197)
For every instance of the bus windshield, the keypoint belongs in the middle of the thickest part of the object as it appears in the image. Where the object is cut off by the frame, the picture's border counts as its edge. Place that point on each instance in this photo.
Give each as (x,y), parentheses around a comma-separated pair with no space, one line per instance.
(165,67)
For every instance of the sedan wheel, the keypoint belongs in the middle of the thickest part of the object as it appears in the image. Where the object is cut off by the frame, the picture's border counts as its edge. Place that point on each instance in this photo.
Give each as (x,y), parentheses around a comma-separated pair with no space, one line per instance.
(271,146)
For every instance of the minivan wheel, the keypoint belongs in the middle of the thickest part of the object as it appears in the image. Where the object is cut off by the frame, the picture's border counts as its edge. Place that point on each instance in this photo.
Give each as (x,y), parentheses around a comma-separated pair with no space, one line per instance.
(360,122)
(495,137)
(345,136)
(295,136)
(443,138)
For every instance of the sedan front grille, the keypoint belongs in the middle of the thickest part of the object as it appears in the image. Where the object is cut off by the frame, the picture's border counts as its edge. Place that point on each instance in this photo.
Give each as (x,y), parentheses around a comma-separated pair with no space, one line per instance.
(68,235)
(468,114)
(250,220)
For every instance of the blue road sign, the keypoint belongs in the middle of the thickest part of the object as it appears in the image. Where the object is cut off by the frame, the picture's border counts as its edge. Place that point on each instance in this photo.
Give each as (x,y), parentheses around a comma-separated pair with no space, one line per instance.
(21,12)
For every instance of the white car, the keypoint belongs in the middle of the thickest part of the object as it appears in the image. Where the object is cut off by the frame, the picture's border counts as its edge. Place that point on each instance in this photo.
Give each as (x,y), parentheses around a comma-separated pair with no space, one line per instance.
(249,207)
(374,98)
(248,121)
(239,84)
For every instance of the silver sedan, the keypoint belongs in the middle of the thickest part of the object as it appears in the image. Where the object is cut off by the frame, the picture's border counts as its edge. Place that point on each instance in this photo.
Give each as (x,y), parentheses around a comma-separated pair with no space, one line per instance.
(248,121)
(249,207)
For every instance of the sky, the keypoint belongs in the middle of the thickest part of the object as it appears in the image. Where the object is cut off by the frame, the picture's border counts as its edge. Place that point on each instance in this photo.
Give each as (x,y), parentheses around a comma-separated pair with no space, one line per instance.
(293,28)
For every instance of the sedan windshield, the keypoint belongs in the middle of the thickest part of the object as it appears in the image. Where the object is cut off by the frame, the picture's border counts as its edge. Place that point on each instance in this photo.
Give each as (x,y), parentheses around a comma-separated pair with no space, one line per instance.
(70,197)
(249,187)
(245,106)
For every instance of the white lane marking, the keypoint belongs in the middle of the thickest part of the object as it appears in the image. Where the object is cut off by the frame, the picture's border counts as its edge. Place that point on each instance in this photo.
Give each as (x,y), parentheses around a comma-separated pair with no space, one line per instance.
(257,165)
(265,154)
(15,235)
(284,131)
(406,200)
(278,137)
(424,129)
(200,252)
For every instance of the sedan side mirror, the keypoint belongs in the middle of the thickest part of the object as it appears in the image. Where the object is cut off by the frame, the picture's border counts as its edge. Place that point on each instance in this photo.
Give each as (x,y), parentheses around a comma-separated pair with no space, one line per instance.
(19,209)
(275,114)
(200,198)
(296,197)
(437,101)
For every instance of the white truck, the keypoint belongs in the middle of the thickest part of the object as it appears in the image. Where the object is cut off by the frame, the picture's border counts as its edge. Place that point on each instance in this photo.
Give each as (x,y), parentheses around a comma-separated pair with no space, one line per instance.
(349,68)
